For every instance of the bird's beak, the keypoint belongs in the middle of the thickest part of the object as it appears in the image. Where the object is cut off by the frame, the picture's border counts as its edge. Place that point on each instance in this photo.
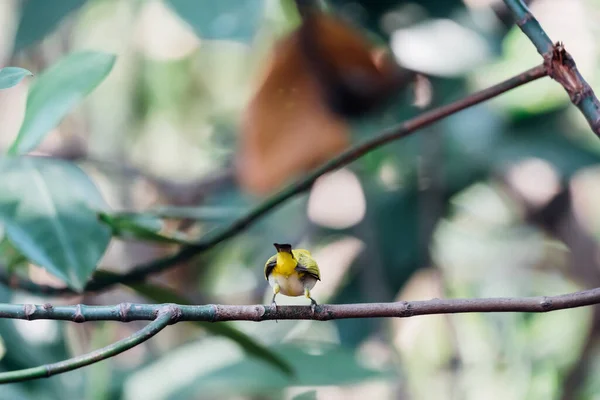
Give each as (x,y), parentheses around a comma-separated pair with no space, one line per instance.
(283,248)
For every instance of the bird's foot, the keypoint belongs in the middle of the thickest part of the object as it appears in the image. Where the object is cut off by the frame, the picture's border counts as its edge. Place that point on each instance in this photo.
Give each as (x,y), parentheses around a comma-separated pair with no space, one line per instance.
(313,306)
(273,304)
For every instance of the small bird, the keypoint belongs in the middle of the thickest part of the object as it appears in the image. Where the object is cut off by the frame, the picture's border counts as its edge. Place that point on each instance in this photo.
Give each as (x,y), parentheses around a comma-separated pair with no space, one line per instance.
(292,273)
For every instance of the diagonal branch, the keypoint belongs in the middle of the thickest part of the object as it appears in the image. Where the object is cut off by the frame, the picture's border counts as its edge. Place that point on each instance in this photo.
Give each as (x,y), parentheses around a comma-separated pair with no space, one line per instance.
(559,63)
(103,280)
(161,319)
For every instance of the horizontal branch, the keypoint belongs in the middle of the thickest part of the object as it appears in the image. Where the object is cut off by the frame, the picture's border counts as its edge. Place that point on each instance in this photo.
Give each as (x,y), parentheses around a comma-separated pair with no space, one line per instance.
(165,314)
(104,280)
(127,312)
(559,63)
(161,319)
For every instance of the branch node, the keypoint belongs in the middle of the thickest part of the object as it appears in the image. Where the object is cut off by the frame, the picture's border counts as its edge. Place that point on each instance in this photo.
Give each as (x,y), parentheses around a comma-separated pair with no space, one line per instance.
(29,310)
(78,317)
(173,310)
(546,303)
(528,17)
(214,313)
(561,67)
(324,313)
(47,306)
(124,309)
(260,312)
(408,309)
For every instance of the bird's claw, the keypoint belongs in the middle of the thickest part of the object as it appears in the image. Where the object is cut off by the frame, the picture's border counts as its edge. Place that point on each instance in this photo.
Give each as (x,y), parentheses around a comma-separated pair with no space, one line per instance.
(313,306)
(276,309)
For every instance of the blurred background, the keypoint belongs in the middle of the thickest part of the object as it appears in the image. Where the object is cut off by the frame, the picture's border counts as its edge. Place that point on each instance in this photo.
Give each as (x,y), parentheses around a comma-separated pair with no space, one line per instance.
(497,200)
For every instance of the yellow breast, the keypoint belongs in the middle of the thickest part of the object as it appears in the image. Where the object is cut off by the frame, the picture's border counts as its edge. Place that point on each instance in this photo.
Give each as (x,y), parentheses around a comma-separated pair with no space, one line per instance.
(286,265)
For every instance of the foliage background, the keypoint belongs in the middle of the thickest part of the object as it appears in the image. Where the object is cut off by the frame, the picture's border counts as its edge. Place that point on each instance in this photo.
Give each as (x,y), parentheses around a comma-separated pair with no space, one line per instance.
(497,200)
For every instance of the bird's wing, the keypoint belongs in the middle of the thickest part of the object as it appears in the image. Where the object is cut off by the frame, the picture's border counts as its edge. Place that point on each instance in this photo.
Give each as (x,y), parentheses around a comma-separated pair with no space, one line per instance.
(306,263)
(271,263)
(302,251)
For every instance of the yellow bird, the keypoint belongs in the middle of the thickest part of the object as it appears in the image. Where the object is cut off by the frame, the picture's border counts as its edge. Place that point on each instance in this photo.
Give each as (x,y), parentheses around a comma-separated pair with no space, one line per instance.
(292,272)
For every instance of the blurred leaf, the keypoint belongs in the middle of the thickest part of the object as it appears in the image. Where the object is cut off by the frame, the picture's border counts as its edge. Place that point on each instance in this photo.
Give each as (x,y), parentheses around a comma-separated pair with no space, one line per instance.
(58,90)
(371,14)
(141,227)
(221,20)
(124,220)
(40,17)
(14,392)
(253,348)
(102,376)
(10,76)
(310,395)
(540,96)
(316,365)
(542,137)
(290,13)
(49,210)
(591,383)
(10,256)
(550,332)
(393,252)
(203,213)
(437,37)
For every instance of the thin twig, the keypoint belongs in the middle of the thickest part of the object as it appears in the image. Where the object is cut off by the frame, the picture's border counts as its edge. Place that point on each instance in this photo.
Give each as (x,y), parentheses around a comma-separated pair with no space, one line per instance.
(559,63)
(186,253)
(127,312)
(160,320)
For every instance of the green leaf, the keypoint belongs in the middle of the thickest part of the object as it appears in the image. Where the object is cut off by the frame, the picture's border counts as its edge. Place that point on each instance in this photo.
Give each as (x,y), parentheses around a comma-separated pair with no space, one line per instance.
(315,364)
(224,19)
(56,92)
(10,76)
(10,256)
(310,395)
(140,227)
(290,12)
(164,295)
(147,225)
(49,210)
(40,17)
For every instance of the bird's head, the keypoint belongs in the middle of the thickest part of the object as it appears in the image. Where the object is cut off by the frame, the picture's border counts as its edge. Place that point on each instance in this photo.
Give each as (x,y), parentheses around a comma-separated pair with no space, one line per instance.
(283,247)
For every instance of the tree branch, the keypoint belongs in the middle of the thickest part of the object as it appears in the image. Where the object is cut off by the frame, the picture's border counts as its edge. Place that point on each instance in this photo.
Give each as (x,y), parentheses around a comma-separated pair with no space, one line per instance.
(559,63)
(104,280)
(127,312)
(162,315)
(161,318)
